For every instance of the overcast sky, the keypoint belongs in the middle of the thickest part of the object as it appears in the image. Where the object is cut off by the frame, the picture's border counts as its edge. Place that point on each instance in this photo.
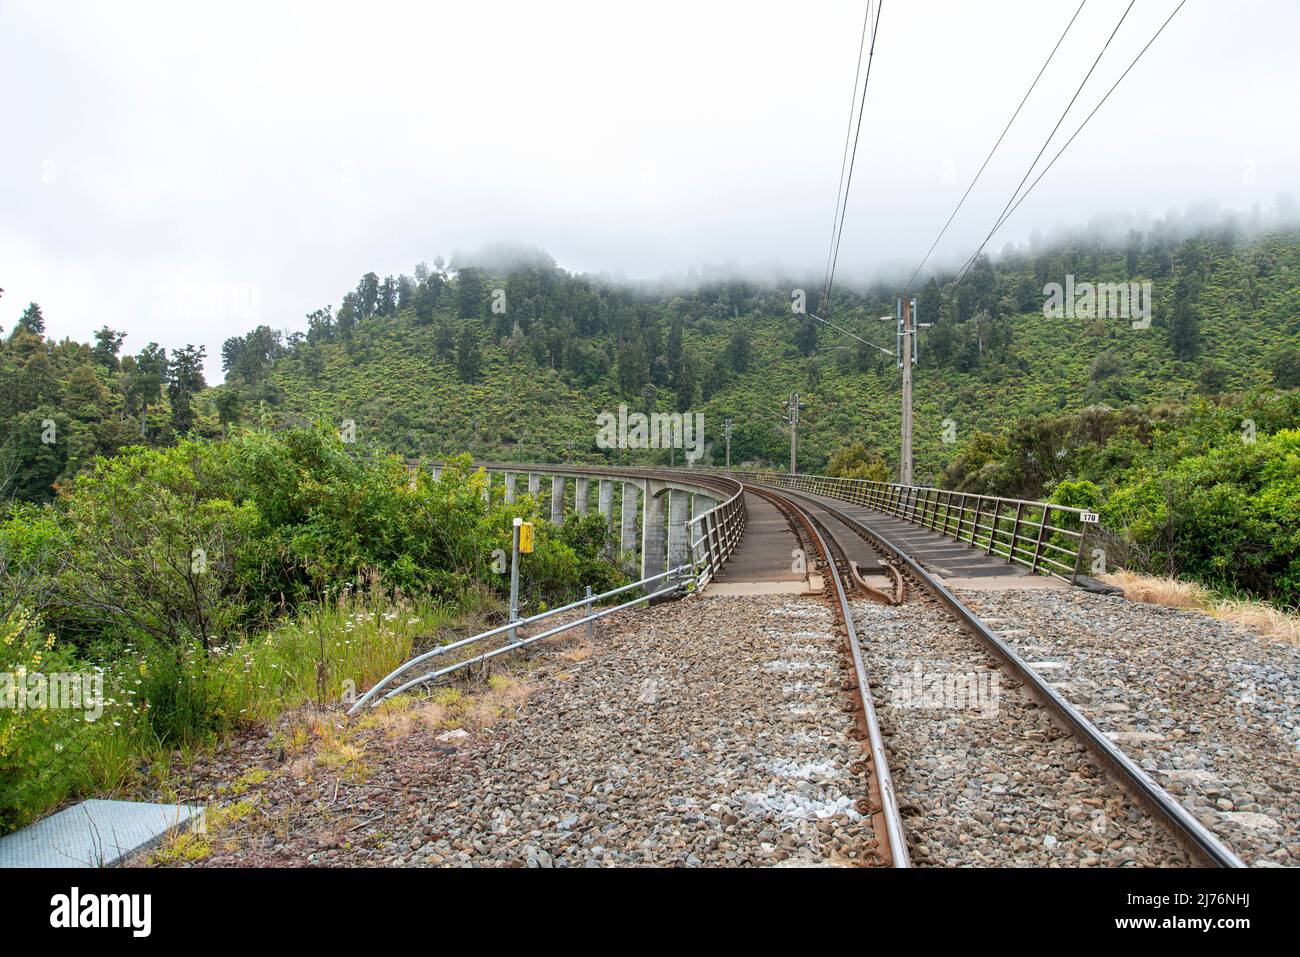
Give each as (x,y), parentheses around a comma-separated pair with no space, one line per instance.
(185,171)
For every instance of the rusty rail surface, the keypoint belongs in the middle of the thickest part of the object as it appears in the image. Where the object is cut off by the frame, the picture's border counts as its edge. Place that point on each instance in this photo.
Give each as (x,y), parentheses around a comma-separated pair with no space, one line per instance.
(881,804)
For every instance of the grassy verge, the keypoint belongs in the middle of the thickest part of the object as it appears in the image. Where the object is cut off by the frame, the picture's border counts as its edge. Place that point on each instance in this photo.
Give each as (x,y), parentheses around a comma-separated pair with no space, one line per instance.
(1258,616)
(157,704)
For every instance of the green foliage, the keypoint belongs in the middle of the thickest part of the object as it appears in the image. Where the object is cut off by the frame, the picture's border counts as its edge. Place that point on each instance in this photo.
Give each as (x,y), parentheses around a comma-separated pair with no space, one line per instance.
(1208,490)
(1226,516)
(1076,494)
(62,404)
(857,462)
(172,555)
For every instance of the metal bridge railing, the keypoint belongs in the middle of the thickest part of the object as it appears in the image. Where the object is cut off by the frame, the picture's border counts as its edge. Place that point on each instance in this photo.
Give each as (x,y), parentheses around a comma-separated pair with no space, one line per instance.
(378,694)
(1044,537)
(713,536)
(719,530)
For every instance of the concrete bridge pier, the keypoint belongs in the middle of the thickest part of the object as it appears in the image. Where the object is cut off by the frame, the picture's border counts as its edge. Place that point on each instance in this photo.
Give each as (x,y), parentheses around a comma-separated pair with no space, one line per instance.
(437,472)
(557,499)
(510,486)
(654,533)
(627,523)
(679,545)
(581,495)
(487,487)
(606,505)
(534,483)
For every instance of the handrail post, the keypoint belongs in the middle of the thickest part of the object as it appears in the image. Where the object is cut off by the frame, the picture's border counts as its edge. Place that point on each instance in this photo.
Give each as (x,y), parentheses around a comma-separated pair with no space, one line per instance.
(1078,558)
(1042,534)
(1015,531)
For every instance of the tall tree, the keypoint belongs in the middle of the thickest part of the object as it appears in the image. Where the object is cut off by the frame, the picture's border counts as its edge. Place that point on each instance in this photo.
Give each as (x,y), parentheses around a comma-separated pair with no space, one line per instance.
(320,325)
(387,305)
(469,293)
(108,343)
(150,373)
(739,349)
(673,351)
(367,297)
(184,382)
(805,338)
(469,360)
(32,321)
(444,339)
(1185,323)
(685,378)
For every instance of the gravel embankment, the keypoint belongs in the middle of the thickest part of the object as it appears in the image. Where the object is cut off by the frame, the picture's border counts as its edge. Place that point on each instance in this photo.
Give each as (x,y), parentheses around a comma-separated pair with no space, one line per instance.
(1208,708)
(703,732)
(983,776)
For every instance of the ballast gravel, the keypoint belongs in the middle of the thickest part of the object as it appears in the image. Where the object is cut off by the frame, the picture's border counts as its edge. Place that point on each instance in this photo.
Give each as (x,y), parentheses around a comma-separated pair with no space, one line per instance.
(983,777)
(704,732)
(1206,707)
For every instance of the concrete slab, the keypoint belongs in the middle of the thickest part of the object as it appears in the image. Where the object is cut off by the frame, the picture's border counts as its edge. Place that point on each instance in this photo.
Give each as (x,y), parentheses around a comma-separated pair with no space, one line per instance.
(718,589)
(95,833)
(764,553)
(1005,583)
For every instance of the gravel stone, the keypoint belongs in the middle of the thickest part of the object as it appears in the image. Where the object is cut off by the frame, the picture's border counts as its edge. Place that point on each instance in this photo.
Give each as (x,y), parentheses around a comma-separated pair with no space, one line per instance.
(1207,707)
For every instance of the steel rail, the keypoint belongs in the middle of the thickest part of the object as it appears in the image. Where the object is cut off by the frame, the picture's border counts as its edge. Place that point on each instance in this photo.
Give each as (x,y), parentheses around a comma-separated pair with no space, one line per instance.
(1201,843)
(882,782)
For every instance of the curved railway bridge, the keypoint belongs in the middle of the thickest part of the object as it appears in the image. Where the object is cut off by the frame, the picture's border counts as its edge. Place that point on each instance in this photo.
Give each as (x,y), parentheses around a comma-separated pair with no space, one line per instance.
(820,694)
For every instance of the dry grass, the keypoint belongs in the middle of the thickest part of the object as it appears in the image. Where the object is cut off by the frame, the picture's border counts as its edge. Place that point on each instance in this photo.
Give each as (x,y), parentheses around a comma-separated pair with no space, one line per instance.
(396,718)
(1155,590)
(195,844)
(450,708)
(1257,616)
(576,652)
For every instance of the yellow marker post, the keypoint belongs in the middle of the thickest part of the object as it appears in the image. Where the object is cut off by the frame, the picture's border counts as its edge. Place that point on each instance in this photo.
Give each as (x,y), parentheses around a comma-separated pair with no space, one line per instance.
(526,537)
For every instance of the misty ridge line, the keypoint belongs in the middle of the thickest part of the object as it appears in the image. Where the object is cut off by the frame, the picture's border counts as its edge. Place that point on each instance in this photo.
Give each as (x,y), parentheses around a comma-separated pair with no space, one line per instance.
(505,257)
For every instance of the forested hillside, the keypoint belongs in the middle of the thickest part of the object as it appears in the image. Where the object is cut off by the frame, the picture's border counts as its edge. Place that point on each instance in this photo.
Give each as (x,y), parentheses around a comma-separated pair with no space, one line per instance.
(513,358)
(425,365)
(506,356)
(120,470)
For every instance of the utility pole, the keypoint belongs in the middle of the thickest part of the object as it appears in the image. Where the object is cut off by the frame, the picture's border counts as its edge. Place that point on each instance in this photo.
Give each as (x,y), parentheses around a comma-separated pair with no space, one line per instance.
(726,432)
(905,335)
(792,408)
(907,355)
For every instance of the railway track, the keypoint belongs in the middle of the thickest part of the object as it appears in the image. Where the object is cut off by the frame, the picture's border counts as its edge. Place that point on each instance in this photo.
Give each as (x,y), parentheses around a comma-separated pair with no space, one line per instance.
(880,804)
(844,543)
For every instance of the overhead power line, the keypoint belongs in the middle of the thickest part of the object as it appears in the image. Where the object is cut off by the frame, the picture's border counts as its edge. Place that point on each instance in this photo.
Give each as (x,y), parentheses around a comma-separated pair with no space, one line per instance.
(985,164)
(975,255)
(1086,119)
(848,184)
(848,135)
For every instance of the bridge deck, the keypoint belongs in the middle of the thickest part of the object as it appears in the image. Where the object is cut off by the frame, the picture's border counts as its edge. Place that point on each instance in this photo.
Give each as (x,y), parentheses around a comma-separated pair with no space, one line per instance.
(762,562)
(958,563)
